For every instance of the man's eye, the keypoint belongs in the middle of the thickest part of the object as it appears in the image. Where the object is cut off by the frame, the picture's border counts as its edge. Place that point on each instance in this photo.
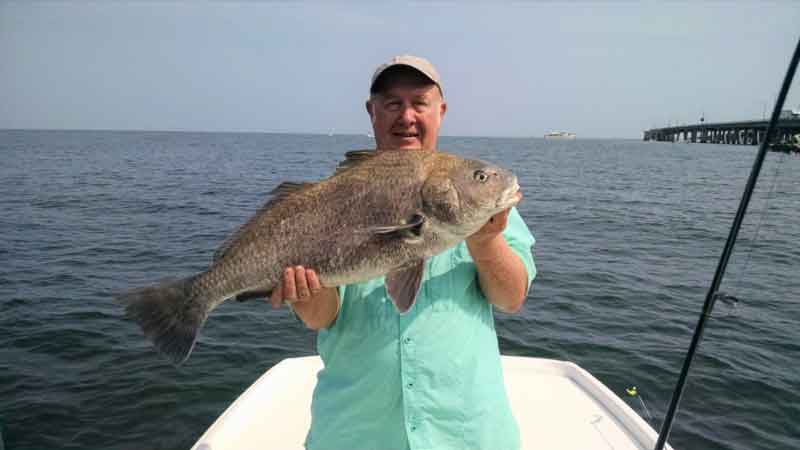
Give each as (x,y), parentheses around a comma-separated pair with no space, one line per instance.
(480,176)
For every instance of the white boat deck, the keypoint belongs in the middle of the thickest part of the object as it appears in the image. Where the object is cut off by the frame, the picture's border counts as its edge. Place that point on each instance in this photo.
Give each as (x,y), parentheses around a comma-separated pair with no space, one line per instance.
(557,404)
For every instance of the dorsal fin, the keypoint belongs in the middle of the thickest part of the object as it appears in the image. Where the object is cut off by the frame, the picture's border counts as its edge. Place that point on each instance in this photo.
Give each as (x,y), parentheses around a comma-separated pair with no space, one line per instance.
(284,189)
(354,158)
(280,192)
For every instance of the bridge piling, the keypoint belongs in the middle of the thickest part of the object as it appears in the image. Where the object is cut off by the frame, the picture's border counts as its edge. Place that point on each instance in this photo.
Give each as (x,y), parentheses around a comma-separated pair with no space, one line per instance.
(753,132)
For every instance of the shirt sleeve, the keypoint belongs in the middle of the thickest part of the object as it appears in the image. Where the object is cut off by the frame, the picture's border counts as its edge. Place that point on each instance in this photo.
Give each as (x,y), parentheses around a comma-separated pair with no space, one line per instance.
(521,241)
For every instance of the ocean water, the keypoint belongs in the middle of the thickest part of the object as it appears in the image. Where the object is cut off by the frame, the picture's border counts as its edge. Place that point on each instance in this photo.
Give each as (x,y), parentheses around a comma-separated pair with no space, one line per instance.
(628,238)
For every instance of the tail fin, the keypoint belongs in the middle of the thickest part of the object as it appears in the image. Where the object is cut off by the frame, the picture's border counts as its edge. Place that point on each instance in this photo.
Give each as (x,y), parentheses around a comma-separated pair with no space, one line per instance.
(170,316)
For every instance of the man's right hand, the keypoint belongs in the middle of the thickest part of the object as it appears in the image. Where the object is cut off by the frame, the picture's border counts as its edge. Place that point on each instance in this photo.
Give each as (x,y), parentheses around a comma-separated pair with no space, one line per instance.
(316,306)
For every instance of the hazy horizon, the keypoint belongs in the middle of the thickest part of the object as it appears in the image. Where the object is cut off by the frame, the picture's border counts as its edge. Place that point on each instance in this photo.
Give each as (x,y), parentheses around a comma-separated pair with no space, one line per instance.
(609,70)
(310,133)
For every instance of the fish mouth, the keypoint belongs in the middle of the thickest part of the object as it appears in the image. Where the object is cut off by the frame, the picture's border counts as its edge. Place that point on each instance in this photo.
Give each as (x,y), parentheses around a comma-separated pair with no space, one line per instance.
(510,196)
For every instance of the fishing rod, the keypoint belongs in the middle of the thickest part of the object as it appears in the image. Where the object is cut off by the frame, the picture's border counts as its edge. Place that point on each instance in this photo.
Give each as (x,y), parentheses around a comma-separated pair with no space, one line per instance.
(713,292)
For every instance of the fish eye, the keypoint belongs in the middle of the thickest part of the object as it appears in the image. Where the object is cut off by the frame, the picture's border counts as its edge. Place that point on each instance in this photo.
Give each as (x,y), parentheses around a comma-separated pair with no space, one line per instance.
(480,176)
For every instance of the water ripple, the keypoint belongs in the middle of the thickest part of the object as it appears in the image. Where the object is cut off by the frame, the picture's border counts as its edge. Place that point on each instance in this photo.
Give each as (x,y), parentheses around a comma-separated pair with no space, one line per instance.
(628,236)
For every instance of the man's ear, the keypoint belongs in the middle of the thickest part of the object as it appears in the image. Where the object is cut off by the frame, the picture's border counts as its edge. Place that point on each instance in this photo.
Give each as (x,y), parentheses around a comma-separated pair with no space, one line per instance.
(442,109)
(370,110)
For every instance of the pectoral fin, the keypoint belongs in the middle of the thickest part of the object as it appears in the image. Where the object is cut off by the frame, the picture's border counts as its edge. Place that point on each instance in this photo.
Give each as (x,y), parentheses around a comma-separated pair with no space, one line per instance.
(402,285)
(411,228)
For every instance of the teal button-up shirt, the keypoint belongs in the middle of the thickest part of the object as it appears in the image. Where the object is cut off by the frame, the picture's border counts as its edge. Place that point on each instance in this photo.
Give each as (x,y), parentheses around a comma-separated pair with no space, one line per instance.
(428,379)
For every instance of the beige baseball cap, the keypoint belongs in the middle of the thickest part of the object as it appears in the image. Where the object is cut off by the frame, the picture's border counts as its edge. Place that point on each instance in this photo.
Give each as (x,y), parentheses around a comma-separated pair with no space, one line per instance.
(421,64)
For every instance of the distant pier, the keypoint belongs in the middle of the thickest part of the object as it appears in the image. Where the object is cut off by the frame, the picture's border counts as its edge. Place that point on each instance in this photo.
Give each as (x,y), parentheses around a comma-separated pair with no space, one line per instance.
(787,132)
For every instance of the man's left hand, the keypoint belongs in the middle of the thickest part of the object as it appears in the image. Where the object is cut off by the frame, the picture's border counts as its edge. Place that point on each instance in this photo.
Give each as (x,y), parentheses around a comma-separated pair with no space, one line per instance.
(493,228)
(501,274)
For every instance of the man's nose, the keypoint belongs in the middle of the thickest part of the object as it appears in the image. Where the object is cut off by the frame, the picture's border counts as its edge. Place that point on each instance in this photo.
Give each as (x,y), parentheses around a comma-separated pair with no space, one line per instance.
(407,114)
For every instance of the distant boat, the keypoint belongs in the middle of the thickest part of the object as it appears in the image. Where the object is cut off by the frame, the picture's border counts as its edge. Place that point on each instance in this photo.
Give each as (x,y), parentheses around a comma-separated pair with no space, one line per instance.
(559,135)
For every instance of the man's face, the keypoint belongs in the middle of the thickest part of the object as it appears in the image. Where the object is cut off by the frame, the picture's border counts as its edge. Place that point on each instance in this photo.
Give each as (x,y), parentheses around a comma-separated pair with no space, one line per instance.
(407,116)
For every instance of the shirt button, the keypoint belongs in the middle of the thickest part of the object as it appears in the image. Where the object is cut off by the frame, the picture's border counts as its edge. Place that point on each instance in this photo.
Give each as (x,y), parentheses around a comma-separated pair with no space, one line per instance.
(407,340)
(410,385)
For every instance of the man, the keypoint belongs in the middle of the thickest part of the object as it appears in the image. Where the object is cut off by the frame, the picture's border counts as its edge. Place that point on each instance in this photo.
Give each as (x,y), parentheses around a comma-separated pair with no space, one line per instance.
(430,378)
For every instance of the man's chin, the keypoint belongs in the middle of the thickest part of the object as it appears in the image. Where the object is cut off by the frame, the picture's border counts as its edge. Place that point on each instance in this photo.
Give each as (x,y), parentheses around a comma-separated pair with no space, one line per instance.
(402,144)
(407,144)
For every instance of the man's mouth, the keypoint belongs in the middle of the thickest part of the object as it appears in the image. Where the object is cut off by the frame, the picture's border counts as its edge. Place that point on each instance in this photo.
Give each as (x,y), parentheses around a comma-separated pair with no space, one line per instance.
(405,135)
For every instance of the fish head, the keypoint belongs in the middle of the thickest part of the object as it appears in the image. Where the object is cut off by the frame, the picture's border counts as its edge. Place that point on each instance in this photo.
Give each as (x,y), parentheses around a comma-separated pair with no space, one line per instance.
(467,193)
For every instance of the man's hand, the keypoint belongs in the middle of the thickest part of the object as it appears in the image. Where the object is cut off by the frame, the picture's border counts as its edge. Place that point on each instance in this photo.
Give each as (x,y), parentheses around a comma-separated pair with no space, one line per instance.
(491,230)
(501,274)
(316,306)
(298,286)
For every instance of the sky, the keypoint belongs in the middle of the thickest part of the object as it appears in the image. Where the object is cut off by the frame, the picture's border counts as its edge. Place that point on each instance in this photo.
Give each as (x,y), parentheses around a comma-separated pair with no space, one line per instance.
(603,70)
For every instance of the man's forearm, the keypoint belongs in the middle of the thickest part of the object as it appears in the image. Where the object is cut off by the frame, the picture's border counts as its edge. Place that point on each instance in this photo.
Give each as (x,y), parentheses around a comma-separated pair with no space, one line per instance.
(501,273)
